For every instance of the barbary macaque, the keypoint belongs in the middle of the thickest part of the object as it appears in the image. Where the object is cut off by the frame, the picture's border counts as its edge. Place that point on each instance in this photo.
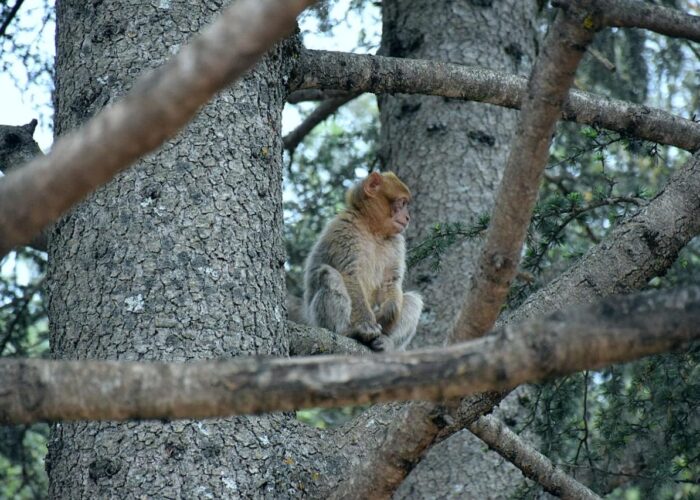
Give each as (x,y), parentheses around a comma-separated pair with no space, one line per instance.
(354,274)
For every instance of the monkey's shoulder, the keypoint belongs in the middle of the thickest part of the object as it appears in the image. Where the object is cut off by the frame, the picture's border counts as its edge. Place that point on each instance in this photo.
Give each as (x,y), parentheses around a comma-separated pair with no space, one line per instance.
(350,230)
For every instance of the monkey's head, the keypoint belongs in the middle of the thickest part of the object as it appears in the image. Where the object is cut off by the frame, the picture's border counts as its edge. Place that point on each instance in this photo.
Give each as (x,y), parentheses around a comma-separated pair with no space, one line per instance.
(382,200)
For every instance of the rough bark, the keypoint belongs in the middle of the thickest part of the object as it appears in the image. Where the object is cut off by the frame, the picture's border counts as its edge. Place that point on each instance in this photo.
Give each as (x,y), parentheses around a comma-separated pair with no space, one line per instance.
(377,74)
(616,330)
(177,259)
(159,105)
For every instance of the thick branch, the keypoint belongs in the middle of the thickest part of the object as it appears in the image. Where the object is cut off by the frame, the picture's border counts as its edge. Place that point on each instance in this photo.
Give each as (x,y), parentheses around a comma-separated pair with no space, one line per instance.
(637,14)
(617,330)
(387,75)
(549,84)
(530,461)
(160,103)
(323,111)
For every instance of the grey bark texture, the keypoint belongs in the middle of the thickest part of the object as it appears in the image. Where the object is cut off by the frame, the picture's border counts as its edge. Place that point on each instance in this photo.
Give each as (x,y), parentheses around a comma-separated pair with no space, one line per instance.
(179,258)
(452,154)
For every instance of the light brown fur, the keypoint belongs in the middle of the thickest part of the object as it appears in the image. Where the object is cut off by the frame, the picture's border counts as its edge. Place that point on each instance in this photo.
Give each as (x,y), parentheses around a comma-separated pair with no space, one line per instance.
(354,274)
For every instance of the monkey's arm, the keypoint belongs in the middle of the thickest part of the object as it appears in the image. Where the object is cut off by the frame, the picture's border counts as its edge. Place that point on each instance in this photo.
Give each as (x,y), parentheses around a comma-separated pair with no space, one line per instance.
(390,306)
(363,324)
(391,295)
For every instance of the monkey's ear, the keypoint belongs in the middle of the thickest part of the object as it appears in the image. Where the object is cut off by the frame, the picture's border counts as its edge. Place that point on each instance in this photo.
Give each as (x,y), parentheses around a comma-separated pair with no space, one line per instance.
(373,183)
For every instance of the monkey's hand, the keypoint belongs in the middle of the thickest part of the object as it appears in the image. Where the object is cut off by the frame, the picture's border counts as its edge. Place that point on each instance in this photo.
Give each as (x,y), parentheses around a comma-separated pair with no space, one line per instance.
(388,315)
(383,343)
(364,331)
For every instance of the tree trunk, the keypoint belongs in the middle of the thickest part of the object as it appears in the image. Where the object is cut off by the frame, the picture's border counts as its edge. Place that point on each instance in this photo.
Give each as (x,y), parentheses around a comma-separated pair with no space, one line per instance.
(179,258)
(452,154)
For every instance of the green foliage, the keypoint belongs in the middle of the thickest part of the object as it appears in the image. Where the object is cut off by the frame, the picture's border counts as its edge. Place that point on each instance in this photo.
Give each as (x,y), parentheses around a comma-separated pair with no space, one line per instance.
(632,423)
(442,236)
(324,418)
(23,333)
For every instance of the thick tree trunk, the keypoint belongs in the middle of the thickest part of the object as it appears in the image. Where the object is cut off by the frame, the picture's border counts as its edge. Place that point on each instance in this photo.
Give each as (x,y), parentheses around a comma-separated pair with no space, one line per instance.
(179,258)
(452,154)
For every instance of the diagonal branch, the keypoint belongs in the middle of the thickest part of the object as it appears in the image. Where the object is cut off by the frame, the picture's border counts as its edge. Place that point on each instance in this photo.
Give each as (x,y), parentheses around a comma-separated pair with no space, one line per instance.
(323,111)
(10,16)
(547,89)
(309,340)
(619,329)
(638,14)
(386,75)
(160,104)
(531,462)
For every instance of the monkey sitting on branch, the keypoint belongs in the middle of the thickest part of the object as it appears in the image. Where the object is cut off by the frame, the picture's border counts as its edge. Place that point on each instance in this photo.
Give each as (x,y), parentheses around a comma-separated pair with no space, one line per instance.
(354,274)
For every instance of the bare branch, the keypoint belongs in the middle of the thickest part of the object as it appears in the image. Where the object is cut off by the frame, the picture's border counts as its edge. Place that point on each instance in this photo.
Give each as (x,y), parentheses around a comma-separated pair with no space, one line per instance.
(531,462)
(10,16)
(323,111)
(638,14)
(549,84)
(612,331)
(607,64)
(160,103)
(386,75)
(309,341)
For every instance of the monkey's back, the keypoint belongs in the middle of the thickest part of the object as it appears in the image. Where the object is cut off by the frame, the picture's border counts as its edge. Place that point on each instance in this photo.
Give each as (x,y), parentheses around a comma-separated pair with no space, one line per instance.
(348,246)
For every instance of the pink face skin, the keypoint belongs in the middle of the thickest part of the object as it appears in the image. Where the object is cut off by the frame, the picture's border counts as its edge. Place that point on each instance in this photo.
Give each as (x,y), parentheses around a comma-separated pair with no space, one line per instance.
(399,215)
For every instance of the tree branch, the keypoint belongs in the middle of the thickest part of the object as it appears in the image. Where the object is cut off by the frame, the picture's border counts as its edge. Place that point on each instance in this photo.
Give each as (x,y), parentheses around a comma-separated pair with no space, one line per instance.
(531,462)
(388,75)
(10,16)
(637,14)
(160,103)
(642,247)
(547,88)
(323,111)
(309,341)
(611,331)
(489,429)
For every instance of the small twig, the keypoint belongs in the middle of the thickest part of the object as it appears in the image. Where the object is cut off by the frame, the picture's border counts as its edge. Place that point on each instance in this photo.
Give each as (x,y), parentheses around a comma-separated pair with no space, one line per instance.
(323,111)
(10,16)
(609,65)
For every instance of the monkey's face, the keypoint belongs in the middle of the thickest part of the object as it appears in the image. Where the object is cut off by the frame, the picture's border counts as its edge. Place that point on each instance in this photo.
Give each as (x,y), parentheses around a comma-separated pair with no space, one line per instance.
(399,215)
